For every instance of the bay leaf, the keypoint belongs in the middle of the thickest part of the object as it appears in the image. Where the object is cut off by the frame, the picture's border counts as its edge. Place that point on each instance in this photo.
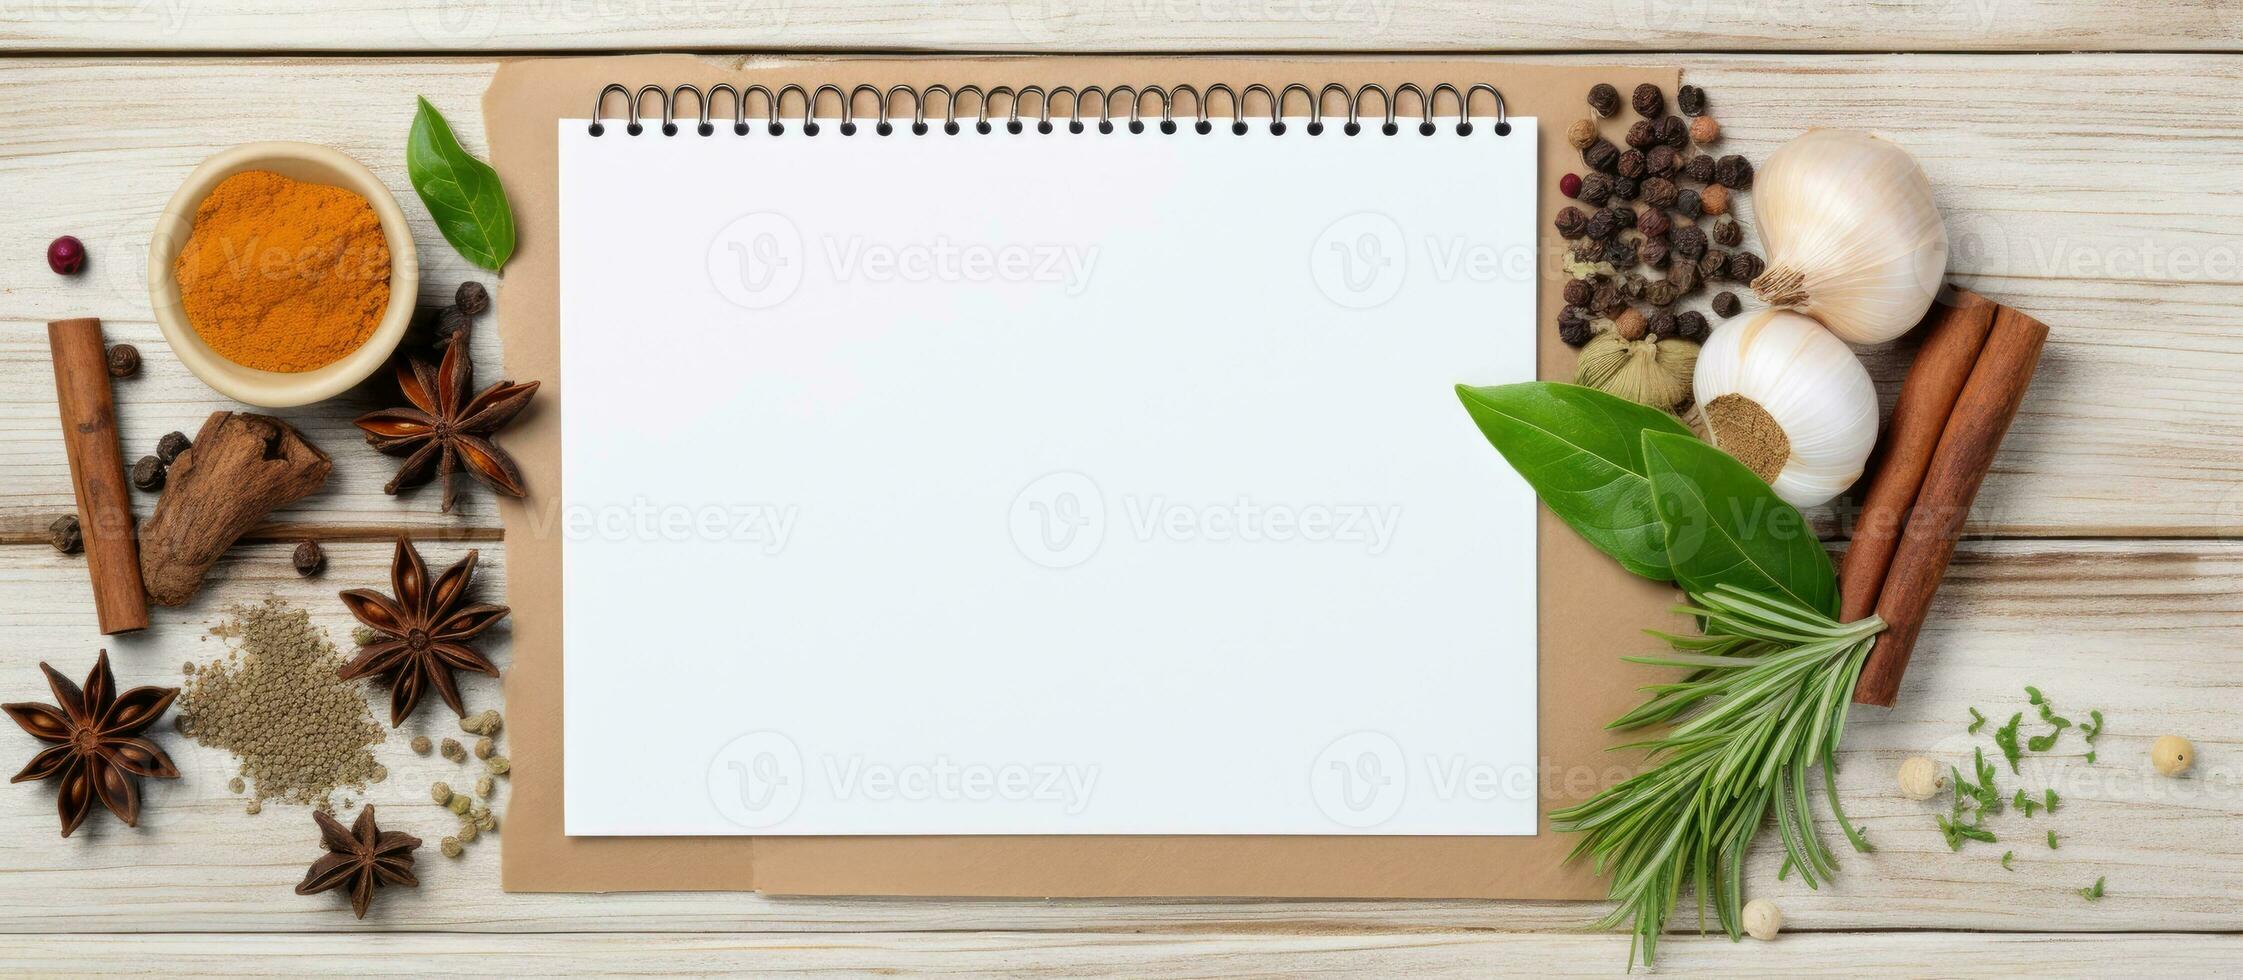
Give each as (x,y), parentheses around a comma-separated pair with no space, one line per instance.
(462,193)
(1724,526)
(1582,452)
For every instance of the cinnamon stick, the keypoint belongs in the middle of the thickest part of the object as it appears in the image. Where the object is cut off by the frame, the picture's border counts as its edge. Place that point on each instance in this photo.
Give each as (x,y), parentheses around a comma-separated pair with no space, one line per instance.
(97,473)
(1982,415)
(1956,333)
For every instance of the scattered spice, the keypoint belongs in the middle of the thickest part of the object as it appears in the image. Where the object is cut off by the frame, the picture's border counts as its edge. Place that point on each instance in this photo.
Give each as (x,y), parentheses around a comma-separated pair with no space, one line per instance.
(1604,99)
(1728,233)
(1602,155)
(452,326)
(498,765)
(1699,168)
(63,532)
(1714,199)
(148,474)
(1726,304)
(451,847)
(2172,755)
(284,275)
(1573,326)
(300,732)
(1570,185)
(445,429)
(1691,100)
(420,742)
(458,803)
(1642,135)
(484,749)
(1762,919)
(1571,223)
(1630,325)
(1733,172)
(124,360)
(1691,325)
(93,743)
(1649,102)
(485,786)
(471,298)
(441,793)
(426,630)
(1745,267)
(308,559)
(66,256)
(361,858)
(1704,130)
(1582,133)
(451,749)
(171,445)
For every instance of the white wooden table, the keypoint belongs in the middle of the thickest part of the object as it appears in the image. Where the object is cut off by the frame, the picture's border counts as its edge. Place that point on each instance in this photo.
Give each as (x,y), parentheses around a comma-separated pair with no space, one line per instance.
(2097,191)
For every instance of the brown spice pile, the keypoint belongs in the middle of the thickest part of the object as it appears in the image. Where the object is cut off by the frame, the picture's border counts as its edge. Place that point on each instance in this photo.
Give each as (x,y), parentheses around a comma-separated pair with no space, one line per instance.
(301,733)
(1745,430)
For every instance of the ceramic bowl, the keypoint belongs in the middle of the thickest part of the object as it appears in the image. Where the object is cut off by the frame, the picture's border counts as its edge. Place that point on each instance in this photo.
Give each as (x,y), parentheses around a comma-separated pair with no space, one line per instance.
(271,389)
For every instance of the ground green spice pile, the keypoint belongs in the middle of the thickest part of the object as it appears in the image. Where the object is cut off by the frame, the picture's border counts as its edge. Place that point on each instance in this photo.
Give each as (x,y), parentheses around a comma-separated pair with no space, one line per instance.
(301,733)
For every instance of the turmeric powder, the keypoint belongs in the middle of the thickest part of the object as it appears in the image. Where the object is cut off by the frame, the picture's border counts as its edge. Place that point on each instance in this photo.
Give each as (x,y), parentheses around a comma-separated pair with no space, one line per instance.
(283,275)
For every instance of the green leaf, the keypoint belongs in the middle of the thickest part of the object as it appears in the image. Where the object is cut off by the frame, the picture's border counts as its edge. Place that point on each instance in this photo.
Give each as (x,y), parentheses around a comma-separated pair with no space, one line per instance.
(1724,526)
(462,193)
(2092,892)
(1977,721)
(2051,840)
(1581,451)
(2008,856)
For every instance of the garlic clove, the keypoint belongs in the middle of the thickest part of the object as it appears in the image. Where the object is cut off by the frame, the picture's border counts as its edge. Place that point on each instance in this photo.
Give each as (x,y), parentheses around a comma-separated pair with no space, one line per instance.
(1852,234)
(1791,401)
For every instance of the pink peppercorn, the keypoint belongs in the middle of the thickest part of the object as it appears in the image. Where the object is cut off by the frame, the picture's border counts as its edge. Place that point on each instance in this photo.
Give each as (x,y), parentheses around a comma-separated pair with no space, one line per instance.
(66,255)
(1570,185)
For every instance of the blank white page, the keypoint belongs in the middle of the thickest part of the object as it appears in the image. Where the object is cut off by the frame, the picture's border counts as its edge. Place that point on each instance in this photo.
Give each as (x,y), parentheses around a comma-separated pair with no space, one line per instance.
(1045,484)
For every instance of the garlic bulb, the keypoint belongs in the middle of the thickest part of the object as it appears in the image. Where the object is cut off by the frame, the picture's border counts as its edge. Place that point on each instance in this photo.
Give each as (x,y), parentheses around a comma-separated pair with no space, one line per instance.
(1790,401)
(1853,238)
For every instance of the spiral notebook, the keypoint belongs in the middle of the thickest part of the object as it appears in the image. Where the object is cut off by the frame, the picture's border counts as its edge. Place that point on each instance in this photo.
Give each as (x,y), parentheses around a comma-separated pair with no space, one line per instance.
(1031,461)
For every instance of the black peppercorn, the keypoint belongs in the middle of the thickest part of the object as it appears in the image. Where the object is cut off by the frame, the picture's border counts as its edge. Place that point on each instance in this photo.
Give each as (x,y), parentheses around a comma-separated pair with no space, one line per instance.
(171,445)
(452,326)
(1641,136)
(1619,253)
(1632,285)
(1726,304)
(1571,222)
(1623,216)
(1662,324)
(1661,161)
(309,559)
(1733,172)
(1728,232)
(148,474)
(1713,265)
(1586,251)
(1671,131)
(63,534)
(1604,99)
(1578,291)
(1573,326)
(1659,192)
(1654,223)
(1602,155)
(1596,189)
(1631,163)
(1700,169)
(1691,100)
(1661,293)
(1608,300)
(1689,241)
(1625,188)
(1602,226)
(1688,204)
(1684,275)
(1690,325)
(124,360)
(1650,103)
(471,298)
(1745,267)
(1652,252)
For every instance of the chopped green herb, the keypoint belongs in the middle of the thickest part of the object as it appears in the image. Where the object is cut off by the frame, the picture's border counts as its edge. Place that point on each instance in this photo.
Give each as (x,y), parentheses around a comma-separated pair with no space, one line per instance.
(1955,831)
(2050,805)
(2006,738)
(2091,757)
(2043,743)
(2092,892)
(2024,804)
(1977,721)
(2093,729)
(2008,856)
(2034,693)
(2051,840)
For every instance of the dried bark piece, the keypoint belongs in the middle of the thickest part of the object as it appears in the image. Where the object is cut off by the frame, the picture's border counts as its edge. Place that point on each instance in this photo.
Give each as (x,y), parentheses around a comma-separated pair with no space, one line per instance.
(240,468)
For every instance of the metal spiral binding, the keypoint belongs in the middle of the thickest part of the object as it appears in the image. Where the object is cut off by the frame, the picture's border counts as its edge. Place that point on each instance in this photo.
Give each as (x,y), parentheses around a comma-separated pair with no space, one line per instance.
(984,105)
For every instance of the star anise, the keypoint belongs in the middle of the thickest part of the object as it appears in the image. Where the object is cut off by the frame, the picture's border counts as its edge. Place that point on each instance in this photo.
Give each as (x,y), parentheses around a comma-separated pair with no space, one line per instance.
(444,429)
(423,632)
(94,746)
(364,857)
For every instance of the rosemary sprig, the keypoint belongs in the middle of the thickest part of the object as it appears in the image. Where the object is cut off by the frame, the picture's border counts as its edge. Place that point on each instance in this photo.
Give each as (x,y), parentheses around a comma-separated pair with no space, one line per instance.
(1765,702)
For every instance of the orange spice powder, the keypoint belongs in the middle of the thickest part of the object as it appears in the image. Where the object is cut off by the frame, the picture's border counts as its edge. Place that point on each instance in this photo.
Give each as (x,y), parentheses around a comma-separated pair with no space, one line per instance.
(283,275)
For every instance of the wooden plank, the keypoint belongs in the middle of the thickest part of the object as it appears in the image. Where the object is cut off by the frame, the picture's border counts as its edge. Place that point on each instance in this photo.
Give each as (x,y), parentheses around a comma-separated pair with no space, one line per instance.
(1112,25)
(1415,954)
(2142,631)
(2085,189)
